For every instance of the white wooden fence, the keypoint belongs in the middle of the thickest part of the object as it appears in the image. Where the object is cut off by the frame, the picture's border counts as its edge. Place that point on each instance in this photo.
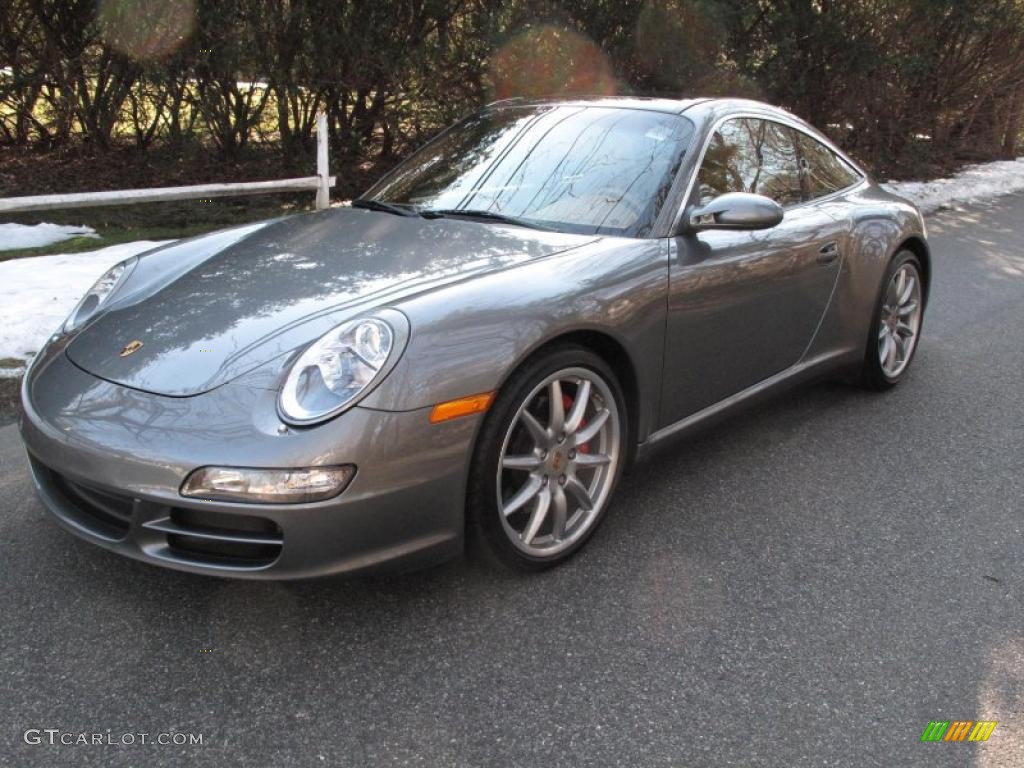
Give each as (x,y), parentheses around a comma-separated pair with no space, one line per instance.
(321,184)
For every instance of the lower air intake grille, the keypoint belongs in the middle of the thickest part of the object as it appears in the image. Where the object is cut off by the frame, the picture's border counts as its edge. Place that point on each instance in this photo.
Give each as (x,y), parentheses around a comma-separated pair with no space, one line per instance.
(107,514)
(215,538)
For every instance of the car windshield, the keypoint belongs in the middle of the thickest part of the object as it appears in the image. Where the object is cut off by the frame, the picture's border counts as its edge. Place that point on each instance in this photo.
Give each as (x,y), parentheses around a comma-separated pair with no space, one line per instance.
(582,169)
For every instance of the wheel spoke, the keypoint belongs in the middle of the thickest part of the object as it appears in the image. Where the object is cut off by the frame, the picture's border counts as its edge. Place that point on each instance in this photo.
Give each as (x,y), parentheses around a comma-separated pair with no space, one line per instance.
(537,432)
(587,460)
(906,309)
(540,512)
(558,516)
(901,349)
(556,420)
(883,349)
(579,407)
(527,463)
(883,331)
(579,492)
(907,291)
(891,296)
(890,357)
(904,331)
(523,495)
(587,434)
(901,281)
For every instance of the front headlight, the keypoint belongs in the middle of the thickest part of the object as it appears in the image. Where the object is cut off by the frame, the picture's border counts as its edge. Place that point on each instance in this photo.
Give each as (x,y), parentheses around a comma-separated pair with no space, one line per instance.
(341,367)
(98,295)
(268,486)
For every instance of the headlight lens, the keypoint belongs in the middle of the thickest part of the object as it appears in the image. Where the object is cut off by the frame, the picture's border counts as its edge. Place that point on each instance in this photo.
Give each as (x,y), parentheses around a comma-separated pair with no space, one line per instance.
(268,486)
(336,369)
(97,295)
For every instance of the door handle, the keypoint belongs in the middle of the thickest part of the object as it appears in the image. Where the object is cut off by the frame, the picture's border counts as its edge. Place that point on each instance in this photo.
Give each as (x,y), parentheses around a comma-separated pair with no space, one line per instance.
(828,253)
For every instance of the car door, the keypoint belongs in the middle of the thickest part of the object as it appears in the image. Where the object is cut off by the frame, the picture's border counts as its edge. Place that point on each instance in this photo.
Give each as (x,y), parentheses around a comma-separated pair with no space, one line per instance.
(744,305)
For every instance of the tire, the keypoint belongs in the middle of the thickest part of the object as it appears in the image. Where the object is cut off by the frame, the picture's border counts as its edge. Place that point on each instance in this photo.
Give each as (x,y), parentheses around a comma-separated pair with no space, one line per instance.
(896,322)
(528,492)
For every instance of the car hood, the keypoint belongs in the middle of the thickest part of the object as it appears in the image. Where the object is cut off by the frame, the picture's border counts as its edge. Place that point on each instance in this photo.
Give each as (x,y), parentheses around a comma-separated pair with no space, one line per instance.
(211,309)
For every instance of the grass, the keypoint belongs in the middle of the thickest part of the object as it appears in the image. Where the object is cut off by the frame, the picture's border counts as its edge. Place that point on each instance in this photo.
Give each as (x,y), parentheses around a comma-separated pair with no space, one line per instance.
(79,168)
(109,236)
(156,221)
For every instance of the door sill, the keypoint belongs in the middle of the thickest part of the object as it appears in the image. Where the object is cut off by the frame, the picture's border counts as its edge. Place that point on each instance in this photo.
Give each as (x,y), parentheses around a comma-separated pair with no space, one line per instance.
(792,375)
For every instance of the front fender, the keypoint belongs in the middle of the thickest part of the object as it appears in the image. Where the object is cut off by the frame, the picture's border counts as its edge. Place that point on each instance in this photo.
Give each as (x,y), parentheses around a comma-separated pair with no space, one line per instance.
(469,337)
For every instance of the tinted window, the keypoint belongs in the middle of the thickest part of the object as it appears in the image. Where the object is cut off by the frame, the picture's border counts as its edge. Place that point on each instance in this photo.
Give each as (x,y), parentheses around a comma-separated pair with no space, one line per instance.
(579,169)
(823,171)
(751,155)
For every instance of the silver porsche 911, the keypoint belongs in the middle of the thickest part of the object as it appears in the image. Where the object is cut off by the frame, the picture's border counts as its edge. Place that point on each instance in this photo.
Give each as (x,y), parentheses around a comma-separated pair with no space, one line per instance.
(476,349)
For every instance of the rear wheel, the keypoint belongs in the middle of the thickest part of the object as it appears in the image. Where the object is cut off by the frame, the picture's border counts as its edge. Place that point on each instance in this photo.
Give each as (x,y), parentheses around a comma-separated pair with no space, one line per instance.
(896,326)
(548,459)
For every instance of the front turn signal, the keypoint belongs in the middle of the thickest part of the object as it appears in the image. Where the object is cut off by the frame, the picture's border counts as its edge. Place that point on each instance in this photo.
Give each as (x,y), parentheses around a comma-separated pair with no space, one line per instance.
(464,406)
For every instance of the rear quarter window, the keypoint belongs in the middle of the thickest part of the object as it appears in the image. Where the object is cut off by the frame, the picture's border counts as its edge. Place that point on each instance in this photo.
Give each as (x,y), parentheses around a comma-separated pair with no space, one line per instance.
(822,171)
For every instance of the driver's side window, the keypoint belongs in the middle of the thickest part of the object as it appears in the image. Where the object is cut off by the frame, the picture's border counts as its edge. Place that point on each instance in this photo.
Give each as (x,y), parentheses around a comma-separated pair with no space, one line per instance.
(751,155)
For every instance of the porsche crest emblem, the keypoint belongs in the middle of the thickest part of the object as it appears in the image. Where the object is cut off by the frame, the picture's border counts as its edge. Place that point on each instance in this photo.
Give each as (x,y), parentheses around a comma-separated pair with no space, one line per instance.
(131,348)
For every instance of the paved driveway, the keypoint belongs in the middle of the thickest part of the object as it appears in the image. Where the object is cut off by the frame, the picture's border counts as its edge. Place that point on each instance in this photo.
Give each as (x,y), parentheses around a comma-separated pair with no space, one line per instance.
(809,584)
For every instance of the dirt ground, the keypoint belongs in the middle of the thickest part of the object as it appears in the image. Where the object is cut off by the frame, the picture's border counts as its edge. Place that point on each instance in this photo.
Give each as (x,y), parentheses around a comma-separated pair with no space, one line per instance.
(9,404)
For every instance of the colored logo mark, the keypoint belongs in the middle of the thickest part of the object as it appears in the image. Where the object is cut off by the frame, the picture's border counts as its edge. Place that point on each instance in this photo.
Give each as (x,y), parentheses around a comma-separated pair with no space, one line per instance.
(131,348)
(958,730)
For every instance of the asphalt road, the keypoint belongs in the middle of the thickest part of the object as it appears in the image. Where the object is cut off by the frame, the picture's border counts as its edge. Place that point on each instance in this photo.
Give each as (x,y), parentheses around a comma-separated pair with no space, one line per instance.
(810,584)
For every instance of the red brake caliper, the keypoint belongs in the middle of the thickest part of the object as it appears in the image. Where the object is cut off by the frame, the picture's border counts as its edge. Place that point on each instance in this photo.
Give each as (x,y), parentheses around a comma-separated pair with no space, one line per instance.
(567,405)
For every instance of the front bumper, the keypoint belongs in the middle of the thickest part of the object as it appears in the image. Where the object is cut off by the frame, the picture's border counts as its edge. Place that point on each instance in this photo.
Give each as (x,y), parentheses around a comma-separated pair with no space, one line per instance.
(108,462)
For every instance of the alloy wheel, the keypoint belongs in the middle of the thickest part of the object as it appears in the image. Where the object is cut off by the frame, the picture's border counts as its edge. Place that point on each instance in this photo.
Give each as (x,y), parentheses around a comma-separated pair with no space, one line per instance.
(558,462)
(900,320)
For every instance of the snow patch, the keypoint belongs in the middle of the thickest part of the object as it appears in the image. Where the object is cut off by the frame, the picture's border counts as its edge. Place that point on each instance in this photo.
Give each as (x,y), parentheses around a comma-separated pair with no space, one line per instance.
(973,183)
(15,236)
(37,293)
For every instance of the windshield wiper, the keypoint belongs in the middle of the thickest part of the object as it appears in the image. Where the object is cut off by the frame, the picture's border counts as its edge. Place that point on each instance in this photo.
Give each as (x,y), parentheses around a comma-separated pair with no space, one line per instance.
(469,213)
(377,205)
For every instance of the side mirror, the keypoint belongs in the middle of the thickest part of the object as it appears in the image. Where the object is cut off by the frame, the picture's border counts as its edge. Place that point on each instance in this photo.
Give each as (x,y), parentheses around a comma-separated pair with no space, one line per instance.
(735,210)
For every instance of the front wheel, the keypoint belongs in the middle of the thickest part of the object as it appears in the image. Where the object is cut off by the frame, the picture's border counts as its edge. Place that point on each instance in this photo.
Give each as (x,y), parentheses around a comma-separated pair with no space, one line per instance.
(548,458)
(896,324)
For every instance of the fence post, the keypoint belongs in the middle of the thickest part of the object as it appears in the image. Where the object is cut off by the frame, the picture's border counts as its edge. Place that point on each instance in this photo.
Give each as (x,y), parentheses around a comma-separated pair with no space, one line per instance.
(323,192)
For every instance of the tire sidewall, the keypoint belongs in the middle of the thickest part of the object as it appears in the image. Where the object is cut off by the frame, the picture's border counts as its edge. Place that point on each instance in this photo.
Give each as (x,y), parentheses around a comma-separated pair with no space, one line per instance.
(483,518)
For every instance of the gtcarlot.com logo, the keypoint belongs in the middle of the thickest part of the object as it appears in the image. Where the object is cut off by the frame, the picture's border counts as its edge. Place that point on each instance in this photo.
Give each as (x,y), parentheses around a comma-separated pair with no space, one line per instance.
(57,737)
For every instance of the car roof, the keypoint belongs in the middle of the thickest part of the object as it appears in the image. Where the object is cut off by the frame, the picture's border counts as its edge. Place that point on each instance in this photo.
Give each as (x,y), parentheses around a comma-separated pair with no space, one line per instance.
(703,105)
(649,103)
